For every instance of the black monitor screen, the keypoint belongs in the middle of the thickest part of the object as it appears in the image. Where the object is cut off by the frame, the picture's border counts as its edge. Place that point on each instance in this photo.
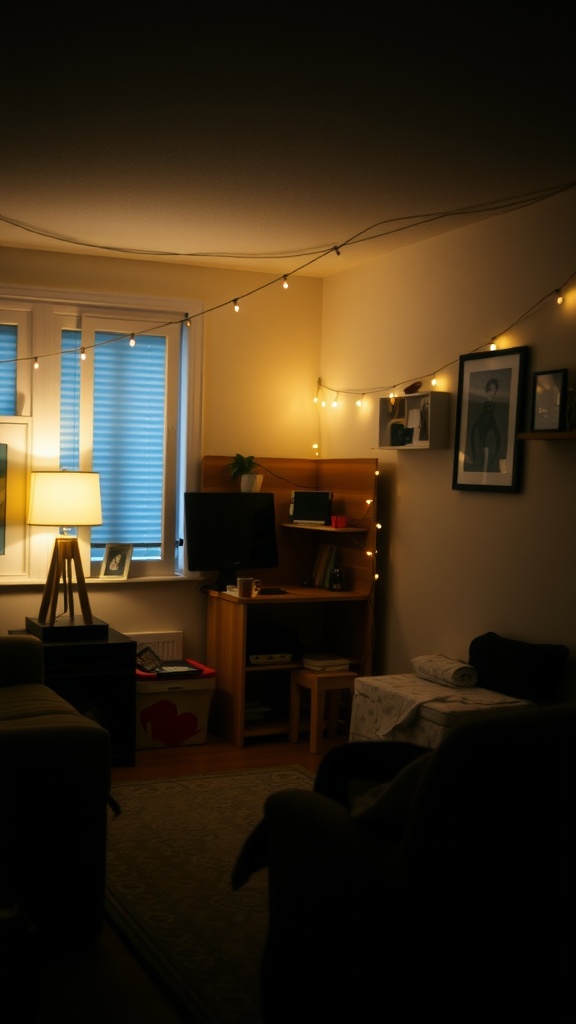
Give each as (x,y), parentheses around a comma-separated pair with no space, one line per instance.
(230,532)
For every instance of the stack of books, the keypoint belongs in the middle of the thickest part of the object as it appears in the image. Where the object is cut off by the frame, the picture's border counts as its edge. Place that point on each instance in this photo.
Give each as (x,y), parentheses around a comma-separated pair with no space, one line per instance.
(325,662)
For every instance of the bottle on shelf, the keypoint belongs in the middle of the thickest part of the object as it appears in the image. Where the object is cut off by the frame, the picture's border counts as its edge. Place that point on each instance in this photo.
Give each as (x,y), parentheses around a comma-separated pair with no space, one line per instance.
(337,578)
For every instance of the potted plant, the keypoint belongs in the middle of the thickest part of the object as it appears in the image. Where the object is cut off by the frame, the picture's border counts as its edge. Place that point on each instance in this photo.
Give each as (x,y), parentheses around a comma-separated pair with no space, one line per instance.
(243,467)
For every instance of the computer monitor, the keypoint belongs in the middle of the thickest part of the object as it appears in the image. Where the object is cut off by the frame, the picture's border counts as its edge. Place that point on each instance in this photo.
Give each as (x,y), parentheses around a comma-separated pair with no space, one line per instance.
(230,533)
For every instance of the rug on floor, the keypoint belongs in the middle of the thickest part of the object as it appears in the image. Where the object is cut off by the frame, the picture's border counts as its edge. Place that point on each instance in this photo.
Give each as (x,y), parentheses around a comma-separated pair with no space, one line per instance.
(170,855)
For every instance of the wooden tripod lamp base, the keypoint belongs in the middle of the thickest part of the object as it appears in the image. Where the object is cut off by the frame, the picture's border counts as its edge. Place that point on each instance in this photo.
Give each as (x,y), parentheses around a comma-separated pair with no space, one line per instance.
(66,555)
(68,627)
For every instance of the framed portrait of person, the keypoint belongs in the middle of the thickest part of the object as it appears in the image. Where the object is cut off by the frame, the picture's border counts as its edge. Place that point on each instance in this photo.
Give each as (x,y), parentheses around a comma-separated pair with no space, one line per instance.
(489,409)
(116,561)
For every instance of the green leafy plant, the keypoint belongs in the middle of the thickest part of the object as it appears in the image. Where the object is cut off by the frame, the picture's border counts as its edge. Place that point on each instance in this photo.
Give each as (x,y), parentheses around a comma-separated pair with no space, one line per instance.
(242,464)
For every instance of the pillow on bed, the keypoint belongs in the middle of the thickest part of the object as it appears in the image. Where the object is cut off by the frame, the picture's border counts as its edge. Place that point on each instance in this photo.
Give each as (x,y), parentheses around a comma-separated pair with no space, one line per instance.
(519,669)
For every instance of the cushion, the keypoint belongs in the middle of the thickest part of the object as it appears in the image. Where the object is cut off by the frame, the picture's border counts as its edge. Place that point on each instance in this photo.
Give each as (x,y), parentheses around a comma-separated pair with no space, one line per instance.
(387,805)
(519,669)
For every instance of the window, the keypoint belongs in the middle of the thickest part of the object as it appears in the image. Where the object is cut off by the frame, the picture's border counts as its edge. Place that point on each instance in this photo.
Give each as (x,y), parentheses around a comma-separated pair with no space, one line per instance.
(8,353)
(125,411)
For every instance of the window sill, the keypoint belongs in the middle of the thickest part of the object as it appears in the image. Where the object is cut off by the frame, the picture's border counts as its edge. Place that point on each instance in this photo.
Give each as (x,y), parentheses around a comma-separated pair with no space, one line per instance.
(18,581)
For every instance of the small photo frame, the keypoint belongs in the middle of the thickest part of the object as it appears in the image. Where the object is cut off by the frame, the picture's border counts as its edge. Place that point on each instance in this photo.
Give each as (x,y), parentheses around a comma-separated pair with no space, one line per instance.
(116,562)
(488,415)
(549,400)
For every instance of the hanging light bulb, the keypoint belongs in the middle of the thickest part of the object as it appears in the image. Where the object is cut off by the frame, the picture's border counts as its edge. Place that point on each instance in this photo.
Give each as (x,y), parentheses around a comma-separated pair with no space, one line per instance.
(236,306)
(36,363)
(559,297)
(285,282)
(83,354)
(188,321)
(434,381)
(492,346)
(360,402)
(335,402)
(132,341)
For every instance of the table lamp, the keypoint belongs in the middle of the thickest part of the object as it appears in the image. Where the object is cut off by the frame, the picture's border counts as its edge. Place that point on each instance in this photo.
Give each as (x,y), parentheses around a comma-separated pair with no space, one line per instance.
(64,499)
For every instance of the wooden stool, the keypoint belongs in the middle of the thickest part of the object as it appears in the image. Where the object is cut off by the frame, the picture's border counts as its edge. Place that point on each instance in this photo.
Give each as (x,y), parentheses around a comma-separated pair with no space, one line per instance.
(319,684)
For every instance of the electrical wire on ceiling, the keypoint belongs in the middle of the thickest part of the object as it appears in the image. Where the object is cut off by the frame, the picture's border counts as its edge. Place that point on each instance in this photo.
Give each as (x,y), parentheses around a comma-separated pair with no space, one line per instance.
(367,234)
(514,202)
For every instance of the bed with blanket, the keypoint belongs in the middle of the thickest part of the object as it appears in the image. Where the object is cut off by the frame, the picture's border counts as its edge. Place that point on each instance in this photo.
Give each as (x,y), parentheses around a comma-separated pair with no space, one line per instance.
(502,676)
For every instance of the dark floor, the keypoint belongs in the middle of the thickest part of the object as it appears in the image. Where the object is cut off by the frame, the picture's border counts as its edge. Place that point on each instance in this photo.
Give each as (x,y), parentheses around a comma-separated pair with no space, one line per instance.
(105,984)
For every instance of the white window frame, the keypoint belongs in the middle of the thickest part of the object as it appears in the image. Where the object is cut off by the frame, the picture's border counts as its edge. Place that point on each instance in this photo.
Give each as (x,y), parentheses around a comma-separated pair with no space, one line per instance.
(41,318)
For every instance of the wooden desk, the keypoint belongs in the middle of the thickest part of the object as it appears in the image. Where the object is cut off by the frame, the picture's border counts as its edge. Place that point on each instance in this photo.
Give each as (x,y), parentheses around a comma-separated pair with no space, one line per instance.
(254,700)
(322,620)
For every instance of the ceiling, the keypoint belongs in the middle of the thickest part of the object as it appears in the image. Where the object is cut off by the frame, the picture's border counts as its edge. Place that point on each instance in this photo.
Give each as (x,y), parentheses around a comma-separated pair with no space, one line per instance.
(309,145)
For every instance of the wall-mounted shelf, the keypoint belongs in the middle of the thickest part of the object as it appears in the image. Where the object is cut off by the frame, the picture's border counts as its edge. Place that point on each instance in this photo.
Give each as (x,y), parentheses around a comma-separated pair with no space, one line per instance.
(548,435)
(326,529)
(415,421)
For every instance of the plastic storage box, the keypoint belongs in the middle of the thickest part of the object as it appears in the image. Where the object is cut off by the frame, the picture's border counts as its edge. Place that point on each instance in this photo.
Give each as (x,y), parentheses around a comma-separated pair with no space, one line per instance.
(173,713)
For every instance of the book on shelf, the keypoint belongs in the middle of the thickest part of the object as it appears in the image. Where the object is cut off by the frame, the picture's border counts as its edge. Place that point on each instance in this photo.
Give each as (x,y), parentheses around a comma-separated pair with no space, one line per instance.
(325,562)
(256,711)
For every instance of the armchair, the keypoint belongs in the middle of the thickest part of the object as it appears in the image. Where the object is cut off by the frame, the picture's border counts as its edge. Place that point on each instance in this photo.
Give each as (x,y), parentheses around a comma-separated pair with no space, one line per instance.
(445,888)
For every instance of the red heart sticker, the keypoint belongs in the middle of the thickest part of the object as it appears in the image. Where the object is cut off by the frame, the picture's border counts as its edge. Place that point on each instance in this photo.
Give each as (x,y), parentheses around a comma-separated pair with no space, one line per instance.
(164,723)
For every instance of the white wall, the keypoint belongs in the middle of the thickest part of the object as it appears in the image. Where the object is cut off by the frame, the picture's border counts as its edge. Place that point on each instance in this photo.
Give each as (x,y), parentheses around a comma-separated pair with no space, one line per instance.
(456,564)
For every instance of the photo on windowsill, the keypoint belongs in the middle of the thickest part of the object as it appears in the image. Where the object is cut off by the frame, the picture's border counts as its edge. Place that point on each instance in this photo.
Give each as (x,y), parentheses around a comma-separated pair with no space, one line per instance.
(116,562)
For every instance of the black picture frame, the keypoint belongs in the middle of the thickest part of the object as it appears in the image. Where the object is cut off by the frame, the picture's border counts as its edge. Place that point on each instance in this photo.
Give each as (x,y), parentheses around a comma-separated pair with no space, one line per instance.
(116,561)
(491,388)
(549,391)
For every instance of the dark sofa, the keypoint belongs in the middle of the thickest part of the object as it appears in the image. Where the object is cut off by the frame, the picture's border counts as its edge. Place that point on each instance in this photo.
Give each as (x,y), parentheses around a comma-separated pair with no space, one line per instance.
(55,769)
(414,885)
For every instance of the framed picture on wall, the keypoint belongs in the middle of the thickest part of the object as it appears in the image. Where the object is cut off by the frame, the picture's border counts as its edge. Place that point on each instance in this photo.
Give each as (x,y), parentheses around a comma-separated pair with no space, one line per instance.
(116,562)
(491,387)
(549,400)
(15,434)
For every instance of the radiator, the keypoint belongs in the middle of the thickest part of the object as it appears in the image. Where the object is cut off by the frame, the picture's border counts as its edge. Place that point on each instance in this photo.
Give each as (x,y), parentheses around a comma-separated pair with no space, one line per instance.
(167,645)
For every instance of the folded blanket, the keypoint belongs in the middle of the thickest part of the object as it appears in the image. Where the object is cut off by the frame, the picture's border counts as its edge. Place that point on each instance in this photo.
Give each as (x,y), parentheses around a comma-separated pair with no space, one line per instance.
(440,669)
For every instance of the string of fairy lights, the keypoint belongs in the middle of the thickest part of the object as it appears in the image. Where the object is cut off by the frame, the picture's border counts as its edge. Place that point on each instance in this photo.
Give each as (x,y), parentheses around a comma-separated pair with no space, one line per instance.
(374,231)
(323,390)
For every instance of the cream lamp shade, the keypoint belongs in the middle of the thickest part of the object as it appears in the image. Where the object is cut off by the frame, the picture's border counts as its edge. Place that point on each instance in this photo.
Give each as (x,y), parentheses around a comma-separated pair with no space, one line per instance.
(65,499)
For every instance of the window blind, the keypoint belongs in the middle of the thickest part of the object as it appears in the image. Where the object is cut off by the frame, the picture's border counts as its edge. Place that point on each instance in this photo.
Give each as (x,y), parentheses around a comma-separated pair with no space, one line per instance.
(129,390)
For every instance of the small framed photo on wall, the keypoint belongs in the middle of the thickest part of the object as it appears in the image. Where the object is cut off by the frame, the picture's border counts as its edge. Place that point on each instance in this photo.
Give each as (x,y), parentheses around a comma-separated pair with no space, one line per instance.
(549,400)
(488,415)
(116,562)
